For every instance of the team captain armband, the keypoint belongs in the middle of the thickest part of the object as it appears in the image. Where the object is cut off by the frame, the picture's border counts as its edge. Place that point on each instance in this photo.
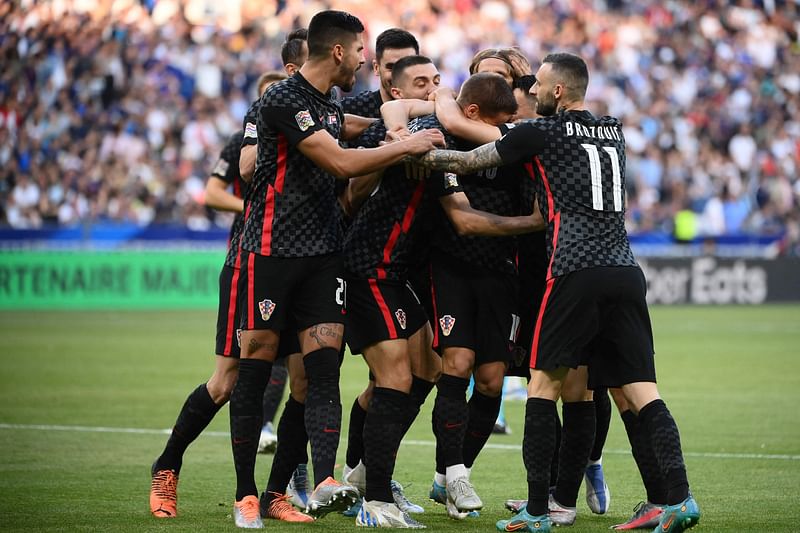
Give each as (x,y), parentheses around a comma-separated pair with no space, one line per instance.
(250,131)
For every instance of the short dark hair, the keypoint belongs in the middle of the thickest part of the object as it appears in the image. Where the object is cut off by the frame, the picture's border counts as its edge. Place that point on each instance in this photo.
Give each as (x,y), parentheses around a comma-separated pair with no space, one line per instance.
(524,83)
(490,92)
(329,28)
(571,70)
(395,38)
(407,62)
(292,48)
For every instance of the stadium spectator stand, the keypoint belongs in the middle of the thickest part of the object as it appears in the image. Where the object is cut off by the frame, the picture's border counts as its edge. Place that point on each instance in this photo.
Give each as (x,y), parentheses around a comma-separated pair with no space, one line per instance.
(113,111)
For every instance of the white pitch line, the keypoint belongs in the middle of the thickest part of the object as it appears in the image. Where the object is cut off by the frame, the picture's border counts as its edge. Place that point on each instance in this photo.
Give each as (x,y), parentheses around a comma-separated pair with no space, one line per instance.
(489,445)
(100,429)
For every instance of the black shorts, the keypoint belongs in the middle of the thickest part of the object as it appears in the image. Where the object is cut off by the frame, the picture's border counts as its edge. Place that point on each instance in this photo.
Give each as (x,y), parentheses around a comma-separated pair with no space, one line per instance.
(289,343)
(228,313)
(228,331)
(597,316)
(379,310)
(420,280)
(474,309)
(278,293)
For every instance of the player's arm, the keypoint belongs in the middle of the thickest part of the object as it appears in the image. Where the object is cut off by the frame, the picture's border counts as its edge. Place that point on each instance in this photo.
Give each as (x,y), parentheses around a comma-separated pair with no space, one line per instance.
(218,197)
(470,221)
(225,172)
(247,161)
(452,118)
(354,125)
(326,153)
(485,156)
(357,191)
(524,141)
(249,148)
(396,113)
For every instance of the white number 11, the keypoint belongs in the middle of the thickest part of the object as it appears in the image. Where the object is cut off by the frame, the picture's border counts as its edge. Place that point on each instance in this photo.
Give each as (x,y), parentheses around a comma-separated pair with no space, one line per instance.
(597,185)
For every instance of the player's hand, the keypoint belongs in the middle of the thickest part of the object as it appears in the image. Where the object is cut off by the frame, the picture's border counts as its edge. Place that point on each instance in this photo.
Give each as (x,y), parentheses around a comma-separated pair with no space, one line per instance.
(397,134)
(424,141)
(519,67)
(416,171)
(442,92)
(534,222)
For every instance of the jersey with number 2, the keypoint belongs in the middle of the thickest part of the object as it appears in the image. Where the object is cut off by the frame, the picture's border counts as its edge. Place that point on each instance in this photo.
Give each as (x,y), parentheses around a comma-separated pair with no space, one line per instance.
(578,163)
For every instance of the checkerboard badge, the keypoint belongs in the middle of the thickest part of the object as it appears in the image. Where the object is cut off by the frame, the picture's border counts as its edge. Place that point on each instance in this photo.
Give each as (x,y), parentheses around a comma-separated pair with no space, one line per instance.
(304,120)
(401,318)
(266,307)
(447,322)
(450,180)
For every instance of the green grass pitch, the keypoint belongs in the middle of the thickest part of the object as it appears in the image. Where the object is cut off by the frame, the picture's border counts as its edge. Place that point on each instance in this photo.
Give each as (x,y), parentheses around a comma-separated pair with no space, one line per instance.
(730,375)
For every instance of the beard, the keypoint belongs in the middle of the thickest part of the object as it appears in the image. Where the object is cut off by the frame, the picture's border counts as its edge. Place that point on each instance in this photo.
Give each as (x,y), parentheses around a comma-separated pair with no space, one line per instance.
(347,78)
(546,106)
(348,84)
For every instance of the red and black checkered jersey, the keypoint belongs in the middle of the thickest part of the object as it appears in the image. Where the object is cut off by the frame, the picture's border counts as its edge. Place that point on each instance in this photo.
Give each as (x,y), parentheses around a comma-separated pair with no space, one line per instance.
(532,259)
(579,162)
(392,228)
(365,104)
(227,169)
(291,208)
(370,137)
(494,190)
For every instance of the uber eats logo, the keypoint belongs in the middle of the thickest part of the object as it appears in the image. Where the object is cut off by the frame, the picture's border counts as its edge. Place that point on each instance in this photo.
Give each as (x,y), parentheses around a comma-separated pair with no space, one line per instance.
(704,280)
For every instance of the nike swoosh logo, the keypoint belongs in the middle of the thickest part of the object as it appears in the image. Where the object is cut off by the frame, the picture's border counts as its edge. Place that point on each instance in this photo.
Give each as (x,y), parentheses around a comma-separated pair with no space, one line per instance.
(450,425)
(666,525)
(240,441)
(516,526)
(329,430)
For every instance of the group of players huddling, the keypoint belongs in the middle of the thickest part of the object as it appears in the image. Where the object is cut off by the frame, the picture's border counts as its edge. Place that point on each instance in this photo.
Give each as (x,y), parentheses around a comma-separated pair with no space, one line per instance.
(444,237)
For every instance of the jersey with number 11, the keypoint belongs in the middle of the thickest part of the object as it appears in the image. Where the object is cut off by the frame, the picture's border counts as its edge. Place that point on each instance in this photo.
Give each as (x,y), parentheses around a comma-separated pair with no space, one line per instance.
(578,163)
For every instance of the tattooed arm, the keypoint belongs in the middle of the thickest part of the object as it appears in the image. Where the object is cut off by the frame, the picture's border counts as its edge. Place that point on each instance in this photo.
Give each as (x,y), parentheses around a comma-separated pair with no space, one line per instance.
(485,156)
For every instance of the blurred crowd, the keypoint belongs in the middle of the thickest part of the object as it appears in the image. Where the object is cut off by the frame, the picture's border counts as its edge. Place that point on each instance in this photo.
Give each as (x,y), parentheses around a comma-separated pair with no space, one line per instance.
(115,110)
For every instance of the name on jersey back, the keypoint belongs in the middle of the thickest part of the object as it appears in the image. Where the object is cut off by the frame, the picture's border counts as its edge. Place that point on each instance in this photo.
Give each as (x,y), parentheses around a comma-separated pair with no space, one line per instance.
(596,132)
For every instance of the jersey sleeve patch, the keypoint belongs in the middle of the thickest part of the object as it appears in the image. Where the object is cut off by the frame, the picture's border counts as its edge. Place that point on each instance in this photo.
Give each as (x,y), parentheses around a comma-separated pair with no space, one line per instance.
(450,181)
(221,168)
(303,119)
